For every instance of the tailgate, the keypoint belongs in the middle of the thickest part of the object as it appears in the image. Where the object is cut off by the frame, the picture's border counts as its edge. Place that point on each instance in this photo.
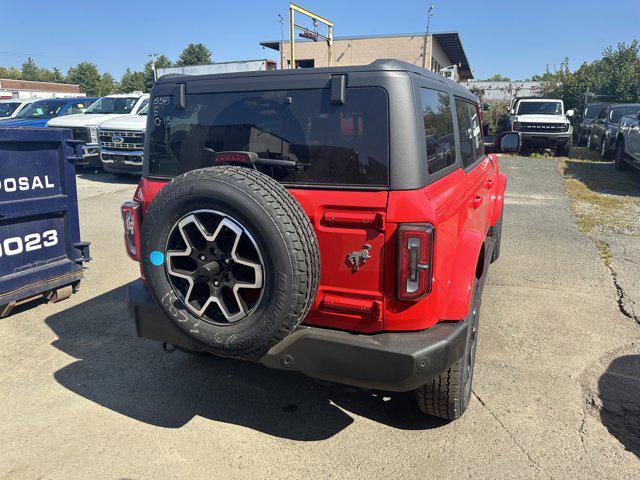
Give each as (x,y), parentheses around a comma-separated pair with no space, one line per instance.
(350,227)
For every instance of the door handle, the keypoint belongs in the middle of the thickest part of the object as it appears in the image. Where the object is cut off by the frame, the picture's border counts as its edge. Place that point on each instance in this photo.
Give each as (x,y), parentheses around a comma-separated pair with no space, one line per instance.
(476,202)
(489,184)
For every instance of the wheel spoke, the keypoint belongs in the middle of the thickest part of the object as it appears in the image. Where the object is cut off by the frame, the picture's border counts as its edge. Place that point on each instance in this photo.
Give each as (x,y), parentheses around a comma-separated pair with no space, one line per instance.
(213,265)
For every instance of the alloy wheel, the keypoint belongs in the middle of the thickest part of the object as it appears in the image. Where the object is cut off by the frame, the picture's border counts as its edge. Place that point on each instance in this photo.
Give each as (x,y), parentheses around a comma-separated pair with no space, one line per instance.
(215,266)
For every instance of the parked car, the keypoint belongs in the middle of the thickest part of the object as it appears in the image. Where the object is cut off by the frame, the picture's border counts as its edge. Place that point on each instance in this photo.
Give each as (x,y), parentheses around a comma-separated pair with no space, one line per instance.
(628,142)
(85,126)
(307,220)
(590,113)
(543,123)
(122,143)
(604,129)
(38,113)
(11,108)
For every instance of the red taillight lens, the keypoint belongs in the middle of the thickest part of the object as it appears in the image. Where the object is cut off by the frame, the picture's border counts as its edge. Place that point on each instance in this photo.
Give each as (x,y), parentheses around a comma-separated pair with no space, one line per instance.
(131,219)
(415,259)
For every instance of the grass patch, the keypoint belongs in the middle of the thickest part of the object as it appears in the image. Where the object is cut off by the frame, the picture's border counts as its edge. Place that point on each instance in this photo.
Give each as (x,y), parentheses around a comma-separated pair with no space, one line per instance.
(605,252)
(601,196)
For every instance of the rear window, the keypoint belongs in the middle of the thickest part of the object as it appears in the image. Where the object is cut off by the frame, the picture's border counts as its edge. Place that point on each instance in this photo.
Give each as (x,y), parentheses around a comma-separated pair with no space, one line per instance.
(330,144)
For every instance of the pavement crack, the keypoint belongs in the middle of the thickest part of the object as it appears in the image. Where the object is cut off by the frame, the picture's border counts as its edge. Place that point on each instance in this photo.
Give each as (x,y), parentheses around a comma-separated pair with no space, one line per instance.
(620,297)
(511,436)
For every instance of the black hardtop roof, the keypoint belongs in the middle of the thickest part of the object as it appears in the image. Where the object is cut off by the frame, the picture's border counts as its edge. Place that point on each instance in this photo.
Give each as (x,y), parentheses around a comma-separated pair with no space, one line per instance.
(381,65)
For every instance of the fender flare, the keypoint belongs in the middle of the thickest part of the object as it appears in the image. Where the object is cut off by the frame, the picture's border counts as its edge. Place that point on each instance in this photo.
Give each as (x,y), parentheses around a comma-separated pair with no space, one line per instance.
(459,288)
(497,198)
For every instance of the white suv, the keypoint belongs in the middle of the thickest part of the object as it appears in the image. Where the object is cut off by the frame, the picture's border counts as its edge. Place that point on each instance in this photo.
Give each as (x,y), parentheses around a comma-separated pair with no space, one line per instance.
(85,126)
(542,123)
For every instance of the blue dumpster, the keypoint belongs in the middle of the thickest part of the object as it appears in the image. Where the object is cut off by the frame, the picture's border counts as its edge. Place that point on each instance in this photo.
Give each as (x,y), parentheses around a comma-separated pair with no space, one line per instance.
(41,254)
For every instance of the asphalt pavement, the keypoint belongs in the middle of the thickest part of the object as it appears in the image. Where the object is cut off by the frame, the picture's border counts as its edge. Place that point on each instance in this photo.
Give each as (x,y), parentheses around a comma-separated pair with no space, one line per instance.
(555,387)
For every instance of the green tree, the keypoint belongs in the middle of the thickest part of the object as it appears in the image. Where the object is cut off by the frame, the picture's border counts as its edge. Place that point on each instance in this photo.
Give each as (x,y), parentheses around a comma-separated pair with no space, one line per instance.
(498,78)
(54,75)
(615,76)
(108,85)
(161,62)
(194,54)
(11,73)
(87,76)
(31,70)
(132,81)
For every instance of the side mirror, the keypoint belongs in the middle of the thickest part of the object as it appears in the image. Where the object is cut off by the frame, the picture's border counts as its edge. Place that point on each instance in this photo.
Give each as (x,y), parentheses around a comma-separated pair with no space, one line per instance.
(506,142)
(512,111)
(570,113)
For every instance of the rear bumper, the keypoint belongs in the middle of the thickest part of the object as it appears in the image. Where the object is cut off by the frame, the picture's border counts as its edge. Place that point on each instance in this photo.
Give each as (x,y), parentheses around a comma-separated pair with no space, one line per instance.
(393,361)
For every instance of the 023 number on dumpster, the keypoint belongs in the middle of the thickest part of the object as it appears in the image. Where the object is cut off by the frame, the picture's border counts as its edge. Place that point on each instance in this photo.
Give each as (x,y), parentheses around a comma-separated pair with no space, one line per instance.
(28,243)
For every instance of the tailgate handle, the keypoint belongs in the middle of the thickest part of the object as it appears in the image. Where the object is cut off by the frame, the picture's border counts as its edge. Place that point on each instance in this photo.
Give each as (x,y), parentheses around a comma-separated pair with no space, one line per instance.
(353,219)
(351,305)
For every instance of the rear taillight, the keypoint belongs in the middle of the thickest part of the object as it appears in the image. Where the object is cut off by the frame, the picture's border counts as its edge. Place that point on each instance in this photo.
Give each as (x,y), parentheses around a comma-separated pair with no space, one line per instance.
(415,259)
(131,218)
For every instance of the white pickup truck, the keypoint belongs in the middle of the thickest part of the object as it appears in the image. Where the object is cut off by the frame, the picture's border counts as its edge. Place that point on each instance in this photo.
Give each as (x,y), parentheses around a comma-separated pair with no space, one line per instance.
(85,126)
(542,123)
(628,142)
(122,143)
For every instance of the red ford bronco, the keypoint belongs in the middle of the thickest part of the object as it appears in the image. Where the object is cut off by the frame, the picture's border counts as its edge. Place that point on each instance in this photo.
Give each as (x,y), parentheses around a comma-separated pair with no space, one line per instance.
(334,221)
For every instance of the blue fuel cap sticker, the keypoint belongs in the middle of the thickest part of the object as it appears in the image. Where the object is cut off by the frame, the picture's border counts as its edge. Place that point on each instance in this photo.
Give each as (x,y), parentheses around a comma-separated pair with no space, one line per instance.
(157,258)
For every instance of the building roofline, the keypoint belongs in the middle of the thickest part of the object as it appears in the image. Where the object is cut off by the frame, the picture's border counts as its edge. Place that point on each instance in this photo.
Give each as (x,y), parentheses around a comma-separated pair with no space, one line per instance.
(465,72)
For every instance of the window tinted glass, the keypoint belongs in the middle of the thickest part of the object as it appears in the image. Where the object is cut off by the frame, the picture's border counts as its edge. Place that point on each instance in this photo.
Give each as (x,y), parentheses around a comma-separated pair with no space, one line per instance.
(539,108)
(77,108)
(329,144)
(6,109)
(592,112)
(471,146)
(438,129)
(617,113)
(121,105)
(42,109)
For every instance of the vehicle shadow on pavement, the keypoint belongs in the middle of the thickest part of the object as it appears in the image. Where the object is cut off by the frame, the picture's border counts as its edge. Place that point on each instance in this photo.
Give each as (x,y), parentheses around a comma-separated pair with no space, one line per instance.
(134,377)
(602,177)
(106,177)
(619,391)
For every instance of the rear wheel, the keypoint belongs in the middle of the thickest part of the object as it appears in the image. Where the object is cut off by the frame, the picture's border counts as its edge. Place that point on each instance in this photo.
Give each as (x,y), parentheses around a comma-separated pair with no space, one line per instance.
(621,157)
(447,396)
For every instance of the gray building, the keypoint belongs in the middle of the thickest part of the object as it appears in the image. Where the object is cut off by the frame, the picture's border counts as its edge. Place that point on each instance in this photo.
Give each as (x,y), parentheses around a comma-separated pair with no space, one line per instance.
(504,90)
(220,67)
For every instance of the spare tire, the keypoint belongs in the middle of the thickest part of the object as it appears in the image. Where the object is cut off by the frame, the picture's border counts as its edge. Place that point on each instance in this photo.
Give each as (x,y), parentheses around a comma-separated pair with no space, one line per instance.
(232,259)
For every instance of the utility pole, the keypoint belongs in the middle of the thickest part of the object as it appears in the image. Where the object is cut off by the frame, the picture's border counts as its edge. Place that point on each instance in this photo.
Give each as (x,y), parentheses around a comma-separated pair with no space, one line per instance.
(281,21)
(153,65)
(426,35)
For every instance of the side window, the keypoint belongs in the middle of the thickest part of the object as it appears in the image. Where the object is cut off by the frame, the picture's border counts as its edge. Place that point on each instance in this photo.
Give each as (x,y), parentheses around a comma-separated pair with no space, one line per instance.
(471,146)
(603,113)
(438,129)
(76,108)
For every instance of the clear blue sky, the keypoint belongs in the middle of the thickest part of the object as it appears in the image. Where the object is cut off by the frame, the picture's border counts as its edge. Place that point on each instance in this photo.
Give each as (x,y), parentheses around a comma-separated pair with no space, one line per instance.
(116,34)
